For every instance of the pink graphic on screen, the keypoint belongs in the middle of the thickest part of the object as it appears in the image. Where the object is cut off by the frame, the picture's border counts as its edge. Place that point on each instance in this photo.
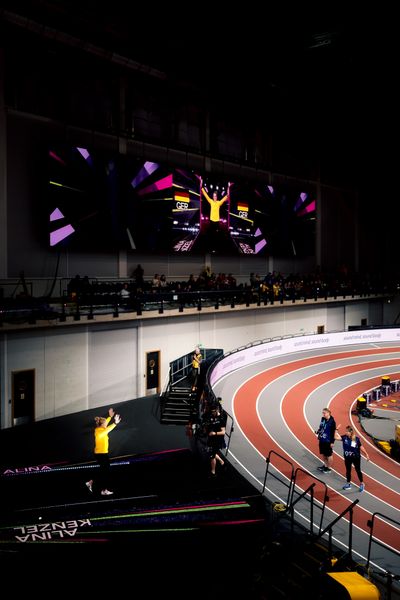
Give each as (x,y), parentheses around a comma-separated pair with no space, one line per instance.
(161,184)
(57,158)
(307,210)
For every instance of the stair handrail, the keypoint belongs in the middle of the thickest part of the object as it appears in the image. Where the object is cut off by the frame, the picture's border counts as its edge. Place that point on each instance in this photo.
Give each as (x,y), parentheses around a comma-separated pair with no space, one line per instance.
(167,384)
(371,524)
(183,370)
(268,460)
(326,496)
(328,528)
(185,362)
(290,508)
(231,430)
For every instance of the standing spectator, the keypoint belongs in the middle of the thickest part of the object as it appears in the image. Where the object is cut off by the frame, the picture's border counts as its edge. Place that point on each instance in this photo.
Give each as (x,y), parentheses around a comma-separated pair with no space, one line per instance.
(352,449)
(138,276)
(196,362)
(74,287)
(326,439)
(101,450)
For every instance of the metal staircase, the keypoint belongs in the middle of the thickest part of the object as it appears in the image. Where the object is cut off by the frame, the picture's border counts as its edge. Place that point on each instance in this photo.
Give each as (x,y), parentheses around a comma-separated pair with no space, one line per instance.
(176,406)
(178,402)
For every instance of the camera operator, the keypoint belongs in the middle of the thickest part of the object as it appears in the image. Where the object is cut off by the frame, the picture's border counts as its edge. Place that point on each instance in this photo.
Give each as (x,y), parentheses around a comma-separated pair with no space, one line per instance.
(214,424)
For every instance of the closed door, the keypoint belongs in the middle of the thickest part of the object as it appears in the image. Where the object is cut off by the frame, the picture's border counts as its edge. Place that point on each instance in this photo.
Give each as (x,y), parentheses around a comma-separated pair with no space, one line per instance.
(153,371)
(23,396)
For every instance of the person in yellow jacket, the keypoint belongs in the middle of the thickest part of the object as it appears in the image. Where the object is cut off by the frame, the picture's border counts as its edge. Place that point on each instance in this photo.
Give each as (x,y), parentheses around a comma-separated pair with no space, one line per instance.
(101,432)
(214,205)
(196,362)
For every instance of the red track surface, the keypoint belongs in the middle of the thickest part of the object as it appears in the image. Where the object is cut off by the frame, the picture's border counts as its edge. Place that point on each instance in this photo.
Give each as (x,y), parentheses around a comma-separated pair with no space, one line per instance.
(293,402)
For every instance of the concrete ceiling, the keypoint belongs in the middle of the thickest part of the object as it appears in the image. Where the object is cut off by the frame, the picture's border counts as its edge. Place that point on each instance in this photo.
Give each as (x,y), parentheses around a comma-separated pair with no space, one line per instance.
(330,68)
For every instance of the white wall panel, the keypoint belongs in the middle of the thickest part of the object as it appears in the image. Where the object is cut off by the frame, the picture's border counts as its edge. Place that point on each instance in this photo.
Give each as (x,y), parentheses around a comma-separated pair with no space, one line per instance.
(231,329)
(334,318)
(65,373)
(355,311)
(391,311)
(304,319)
(375,313)
(112,365)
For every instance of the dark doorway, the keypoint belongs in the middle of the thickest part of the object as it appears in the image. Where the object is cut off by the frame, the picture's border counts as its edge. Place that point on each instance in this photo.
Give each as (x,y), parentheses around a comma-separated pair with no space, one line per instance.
(23,397)
(153,371)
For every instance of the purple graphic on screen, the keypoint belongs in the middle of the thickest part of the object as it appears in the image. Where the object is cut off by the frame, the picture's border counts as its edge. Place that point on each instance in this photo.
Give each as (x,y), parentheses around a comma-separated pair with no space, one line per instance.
(161,184)
(302,198)
(147,169)
(83,152)
(259,246)
(271,189)
(56,215)
(60,234)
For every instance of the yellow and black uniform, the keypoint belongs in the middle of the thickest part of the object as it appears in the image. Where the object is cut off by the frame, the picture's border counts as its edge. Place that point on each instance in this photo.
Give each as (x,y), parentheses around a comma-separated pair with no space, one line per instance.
(197,358)
(196,361)
(101,453)
(214,206)
(101,437)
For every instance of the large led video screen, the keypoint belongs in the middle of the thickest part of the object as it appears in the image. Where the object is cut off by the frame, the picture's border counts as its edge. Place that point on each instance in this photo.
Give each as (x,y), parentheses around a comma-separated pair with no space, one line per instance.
(97,202)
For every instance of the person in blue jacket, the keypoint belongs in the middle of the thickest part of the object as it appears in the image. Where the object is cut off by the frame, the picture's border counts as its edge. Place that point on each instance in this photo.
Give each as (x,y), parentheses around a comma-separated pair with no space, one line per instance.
(352,449)
(326,439)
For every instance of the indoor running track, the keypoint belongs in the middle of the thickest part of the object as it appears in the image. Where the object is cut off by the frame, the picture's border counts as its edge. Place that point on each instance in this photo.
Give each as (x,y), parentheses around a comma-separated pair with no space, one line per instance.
(276,405)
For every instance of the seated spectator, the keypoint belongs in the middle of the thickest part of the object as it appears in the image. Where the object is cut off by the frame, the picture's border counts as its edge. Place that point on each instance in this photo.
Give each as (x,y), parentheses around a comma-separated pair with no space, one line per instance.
(125,293)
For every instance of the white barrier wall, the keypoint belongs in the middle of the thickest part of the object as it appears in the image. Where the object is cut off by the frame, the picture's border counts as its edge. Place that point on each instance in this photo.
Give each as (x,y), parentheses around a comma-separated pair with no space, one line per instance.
(271,348)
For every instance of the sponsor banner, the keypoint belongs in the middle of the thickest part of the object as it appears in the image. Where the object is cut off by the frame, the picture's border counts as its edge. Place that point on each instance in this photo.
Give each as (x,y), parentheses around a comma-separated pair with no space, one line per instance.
(253,354)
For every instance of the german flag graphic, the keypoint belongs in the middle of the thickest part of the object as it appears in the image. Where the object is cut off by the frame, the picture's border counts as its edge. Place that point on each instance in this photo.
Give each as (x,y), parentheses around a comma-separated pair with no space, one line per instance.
(182,196)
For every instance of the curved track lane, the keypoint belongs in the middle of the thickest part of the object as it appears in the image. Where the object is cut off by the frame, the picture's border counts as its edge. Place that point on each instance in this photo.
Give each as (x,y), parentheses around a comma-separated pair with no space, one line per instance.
(277,404)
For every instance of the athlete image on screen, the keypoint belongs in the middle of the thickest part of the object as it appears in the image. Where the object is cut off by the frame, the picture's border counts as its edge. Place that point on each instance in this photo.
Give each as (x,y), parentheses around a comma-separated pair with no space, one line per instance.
(214,217)
(214,205)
